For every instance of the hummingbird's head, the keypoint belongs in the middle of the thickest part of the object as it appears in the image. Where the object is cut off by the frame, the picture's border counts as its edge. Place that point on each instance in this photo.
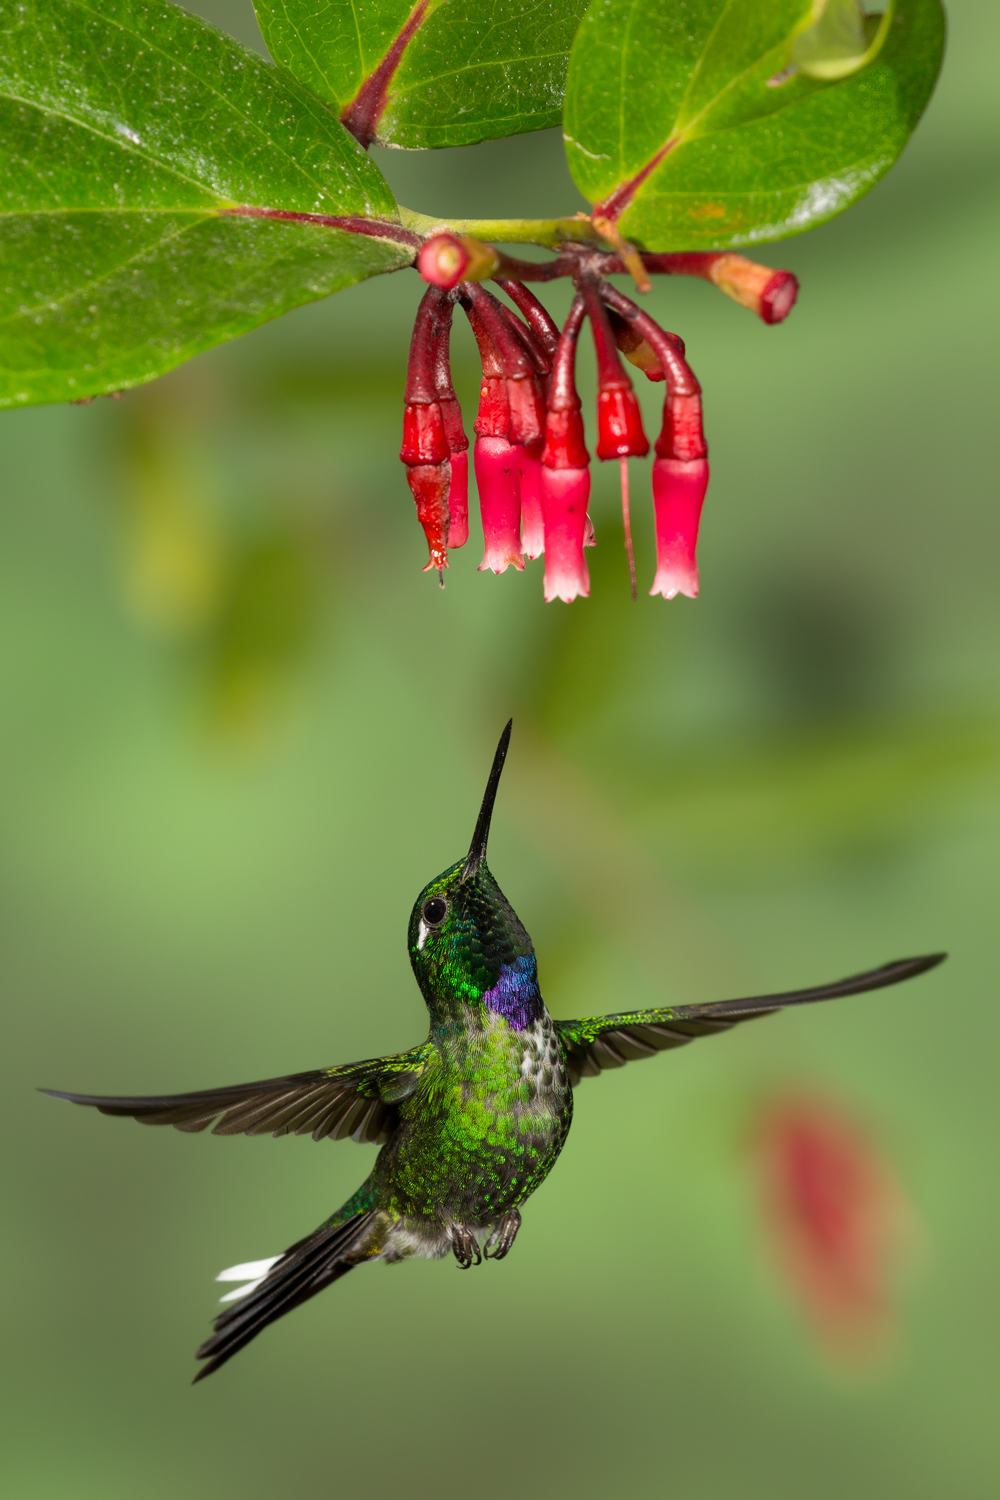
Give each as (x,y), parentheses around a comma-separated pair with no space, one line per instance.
(467,946)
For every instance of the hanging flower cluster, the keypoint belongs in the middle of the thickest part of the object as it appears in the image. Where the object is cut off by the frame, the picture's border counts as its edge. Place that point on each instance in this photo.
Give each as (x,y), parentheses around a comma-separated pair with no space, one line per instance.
(531,461)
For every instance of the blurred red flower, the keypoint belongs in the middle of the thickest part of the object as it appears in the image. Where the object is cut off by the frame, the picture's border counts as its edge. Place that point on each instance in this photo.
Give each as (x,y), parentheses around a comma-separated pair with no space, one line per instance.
(836,1217)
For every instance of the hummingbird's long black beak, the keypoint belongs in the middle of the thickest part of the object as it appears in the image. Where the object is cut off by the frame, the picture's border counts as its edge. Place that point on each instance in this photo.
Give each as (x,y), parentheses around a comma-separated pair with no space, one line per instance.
(477,849)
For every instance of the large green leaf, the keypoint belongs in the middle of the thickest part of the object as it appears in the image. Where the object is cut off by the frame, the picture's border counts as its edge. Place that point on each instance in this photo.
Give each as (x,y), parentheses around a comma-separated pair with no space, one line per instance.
(126,132)
(438,73)
(688,124)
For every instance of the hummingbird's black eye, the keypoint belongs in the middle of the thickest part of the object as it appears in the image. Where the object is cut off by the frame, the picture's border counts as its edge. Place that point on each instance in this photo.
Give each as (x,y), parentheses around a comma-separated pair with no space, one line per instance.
(435,910)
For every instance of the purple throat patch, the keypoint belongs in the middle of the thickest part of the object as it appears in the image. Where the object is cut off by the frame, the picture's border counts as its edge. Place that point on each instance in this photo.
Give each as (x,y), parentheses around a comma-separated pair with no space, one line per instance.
(516,995)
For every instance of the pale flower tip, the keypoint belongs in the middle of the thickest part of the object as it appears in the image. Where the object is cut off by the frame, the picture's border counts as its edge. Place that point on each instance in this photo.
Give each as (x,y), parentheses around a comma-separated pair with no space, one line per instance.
(499,562)
(567,587)
(673,581)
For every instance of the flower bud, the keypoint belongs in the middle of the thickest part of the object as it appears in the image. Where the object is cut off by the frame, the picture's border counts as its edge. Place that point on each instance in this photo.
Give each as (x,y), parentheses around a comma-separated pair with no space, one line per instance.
(429,485)
(770,294)
(564,495)
(496,463)
(679,487)
(529,462)
(446,259)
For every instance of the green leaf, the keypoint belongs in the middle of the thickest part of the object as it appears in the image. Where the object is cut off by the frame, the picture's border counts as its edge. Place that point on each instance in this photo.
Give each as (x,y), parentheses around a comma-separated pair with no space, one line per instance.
(128,134)
(690,125)
(438,73)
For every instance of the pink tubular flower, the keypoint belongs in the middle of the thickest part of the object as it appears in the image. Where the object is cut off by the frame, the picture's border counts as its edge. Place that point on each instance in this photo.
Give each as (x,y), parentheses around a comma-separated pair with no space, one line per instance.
(458,497)
(679,487)
(565,476)
(497,476)
(495,458)
(680,471)
(565,494)
(532,526)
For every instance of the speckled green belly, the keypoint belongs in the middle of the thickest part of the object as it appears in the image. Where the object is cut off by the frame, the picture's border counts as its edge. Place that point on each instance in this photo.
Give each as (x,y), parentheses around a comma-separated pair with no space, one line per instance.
(482,1131)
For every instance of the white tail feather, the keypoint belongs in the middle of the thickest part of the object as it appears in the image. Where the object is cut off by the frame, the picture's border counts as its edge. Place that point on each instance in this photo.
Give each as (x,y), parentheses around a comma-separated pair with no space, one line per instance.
(249,1270)
(241,1291)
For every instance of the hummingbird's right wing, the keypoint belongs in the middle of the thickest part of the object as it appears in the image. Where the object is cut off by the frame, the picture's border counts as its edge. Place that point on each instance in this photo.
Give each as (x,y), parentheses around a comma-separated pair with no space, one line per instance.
(600,1042)
(357,1100)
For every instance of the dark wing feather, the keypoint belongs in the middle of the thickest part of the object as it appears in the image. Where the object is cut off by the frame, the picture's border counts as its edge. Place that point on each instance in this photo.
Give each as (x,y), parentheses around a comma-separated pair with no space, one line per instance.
(358,1100)
(601,1042)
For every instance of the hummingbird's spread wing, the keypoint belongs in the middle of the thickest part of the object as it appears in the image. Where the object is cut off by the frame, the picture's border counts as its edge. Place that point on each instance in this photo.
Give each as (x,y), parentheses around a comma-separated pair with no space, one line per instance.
(611,1041)
(357,1100)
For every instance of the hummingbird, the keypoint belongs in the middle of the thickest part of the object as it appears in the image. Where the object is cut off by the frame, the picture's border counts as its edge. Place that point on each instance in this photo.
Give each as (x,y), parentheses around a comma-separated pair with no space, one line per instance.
(470,1122)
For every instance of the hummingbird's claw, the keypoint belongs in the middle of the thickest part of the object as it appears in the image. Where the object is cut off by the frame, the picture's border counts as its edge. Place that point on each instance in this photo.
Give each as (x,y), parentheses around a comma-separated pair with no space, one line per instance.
(503,1236)
(466,1246)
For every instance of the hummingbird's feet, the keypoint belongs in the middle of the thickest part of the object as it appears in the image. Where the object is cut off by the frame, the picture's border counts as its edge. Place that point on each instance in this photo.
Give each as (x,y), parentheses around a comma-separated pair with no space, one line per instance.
(503,1236)
(465,1245)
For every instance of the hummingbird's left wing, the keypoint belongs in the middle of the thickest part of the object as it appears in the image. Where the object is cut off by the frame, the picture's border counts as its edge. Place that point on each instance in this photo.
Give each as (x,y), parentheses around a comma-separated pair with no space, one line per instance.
(600,1042)
(358,1100)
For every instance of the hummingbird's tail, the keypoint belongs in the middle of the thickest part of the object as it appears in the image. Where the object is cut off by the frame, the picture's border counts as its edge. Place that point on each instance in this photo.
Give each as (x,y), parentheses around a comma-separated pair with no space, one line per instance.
(304,1269)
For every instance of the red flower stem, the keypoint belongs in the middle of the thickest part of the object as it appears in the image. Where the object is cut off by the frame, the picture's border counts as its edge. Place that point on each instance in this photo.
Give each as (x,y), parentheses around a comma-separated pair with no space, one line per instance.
(421,385)
(540,322)
(444,390)
(680,378)
(533,346)
(514,359)
(610,375)
(488,356)
(562,382)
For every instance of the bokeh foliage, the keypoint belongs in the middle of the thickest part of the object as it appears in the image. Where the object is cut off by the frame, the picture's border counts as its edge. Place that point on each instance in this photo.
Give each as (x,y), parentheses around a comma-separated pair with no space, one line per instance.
(793,777)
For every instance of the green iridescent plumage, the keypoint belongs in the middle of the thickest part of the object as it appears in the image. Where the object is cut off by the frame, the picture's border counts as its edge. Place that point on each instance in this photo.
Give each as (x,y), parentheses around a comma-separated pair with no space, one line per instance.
(470,1122)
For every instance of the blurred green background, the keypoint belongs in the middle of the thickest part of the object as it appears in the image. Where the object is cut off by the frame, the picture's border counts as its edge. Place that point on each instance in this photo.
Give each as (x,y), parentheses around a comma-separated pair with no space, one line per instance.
(240,729)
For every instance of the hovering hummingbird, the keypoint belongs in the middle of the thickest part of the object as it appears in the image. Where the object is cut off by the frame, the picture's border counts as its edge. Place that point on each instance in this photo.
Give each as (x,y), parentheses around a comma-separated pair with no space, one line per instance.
(470,1122)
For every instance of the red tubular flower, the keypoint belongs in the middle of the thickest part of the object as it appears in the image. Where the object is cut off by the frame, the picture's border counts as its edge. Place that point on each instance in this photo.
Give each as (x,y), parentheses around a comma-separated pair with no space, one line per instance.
(458,497)
(498,478)
(679,487)
(835,1217)
(565,475)
(532,525)
(619,421)
(454,432)
(680,472)
(540,336)
(494,456)
(425,448)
